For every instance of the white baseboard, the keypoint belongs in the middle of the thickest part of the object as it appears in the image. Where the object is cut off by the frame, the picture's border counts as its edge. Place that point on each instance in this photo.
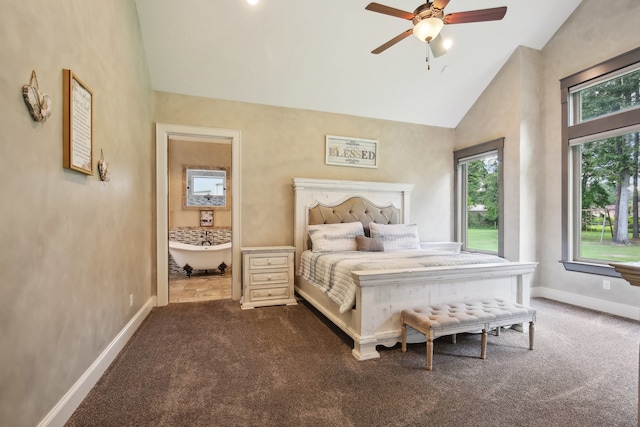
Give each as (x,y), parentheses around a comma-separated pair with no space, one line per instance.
(622,310)
(63,410)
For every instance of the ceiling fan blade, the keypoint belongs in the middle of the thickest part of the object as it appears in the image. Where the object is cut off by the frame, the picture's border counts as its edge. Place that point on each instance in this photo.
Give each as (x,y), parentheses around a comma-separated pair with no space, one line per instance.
(437,46)
(393,41)
(494,14)
(440,4)
(380,8)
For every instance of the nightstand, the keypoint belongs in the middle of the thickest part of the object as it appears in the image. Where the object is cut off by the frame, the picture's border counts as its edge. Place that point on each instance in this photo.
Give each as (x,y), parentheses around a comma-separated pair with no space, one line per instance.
(267,276)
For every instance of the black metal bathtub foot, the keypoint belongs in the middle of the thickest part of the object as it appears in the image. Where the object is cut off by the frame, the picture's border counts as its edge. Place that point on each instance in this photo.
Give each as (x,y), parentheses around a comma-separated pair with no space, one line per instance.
(222,267)
(187,268)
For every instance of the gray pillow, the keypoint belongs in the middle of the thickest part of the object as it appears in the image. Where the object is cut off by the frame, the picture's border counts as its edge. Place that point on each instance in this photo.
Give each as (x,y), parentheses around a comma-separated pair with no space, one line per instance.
(369,244)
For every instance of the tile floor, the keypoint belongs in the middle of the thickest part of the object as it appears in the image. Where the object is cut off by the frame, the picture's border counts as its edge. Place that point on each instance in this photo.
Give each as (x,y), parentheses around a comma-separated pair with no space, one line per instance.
(199,287)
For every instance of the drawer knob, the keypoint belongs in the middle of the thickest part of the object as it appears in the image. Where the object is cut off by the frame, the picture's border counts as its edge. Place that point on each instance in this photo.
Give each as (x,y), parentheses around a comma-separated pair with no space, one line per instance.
(269,278)
(269,261)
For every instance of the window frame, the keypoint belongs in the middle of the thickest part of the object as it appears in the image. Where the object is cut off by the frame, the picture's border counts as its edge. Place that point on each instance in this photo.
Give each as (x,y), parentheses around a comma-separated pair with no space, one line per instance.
(586,129)
(460,204)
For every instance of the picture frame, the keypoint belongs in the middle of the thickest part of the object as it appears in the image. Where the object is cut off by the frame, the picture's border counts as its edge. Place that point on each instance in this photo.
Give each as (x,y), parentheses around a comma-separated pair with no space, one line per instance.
(206,218)
(77,128)
(349,151)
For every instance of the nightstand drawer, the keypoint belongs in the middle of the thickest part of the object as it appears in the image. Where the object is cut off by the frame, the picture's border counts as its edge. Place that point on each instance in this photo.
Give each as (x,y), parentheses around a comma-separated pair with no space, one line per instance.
(261,263)
(269,293)
(267,278)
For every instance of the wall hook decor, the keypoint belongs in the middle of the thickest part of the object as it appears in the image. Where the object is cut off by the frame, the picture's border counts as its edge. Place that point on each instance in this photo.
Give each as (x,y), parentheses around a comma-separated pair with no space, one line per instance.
(39,105)
(103,167)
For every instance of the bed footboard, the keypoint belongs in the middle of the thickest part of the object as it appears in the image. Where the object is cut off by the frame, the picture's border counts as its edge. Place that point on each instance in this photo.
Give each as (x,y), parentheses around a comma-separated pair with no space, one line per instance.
(382,295)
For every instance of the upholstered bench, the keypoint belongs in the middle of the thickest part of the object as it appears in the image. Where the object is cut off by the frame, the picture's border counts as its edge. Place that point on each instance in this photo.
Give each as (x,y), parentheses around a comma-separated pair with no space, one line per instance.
(468,316)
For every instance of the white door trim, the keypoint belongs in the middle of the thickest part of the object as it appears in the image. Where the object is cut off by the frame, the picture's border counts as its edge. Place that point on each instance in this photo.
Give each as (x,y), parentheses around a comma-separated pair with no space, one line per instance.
(163,132)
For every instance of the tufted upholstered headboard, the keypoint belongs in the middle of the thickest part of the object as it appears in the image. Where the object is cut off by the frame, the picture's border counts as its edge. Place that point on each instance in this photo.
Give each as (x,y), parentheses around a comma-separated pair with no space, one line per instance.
(352,210)
(319,201)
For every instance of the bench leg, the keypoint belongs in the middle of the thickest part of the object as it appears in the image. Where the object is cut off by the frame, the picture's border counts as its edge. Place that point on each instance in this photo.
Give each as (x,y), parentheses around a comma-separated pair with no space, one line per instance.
(453,339)
(403,334)
(532,330)
(483,344)
(498,331)
(429,354)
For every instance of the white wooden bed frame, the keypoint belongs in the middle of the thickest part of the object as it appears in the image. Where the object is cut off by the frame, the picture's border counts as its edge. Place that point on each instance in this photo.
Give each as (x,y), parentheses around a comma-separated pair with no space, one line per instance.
(382,294)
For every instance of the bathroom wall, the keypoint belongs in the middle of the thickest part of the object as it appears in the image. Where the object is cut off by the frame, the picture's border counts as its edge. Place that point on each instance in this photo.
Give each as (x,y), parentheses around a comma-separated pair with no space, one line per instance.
(197,153)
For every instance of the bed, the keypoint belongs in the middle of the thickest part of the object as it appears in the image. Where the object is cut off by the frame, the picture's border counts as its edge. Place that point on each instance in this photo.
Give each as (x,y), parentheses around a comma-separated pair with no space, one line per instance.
(372,317)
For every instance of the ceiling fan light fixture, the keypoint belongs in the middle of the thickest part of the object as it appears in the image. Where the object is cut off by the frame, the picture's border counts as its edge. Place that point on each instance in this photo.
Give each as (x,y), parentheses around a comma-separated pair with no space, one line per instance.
(428,29)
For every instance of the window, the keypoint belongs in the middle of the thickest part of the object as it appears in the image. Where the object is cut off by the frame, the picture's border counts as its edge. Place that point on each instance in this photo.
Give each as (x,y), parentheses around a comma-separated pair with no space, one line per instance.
(611,94)
(479,197)
(601,165)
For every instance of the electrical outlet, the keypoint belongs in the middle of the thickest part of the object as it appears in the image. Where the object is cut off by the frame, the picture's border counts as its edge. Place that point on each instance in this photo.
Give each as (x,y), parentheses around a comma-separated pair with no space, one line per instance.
(606,284)
(131,300)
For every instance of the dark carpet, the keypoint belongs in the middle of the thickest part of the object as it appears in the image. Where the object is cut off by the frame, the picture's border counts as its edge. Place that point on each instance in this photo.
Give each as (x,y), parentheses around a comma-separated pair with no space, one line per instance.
(213,364)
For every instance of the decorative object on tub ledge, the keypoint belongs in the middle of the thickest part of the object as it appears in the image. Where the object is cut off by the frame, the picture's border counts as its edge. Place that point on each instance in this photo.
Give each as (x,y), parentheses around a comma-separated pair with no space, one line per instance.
(103,168)
(39,105)
(206,218)
(347,151)
(77,124)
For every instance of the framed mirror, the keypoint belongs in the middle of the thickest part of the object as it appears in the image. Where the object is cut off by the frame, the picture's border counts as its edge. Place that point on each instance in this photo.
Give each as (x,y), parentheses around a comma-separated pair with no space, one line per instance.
(204,187)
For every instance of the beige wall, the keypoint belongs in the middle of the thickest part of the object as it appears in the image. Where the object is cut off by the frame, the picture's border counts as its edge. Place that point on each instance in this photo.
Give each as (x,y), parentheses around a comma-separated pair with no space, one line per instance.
(575,47)
(196,153)
(279,144)
(523,105)
(510,108)
(495,115)
(73,248)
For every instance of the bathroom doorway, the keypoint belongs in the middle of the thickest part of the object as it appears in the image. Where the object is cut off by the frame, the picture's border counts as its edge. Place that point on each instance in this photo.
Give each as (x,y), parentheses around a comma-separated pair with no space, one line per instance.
(200,205)
(217,225)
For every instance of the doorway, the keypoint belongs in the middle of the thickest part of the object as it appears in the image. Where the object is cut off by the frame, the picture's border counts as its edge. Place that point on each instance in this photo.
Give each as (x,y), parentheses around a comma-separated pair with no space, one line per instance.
(165,132)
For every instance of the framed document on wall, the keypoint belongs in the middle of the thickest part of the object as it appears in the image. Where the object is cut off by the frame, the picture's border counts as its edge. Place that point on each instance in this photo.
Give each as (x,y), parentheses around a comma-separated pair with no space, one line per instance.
(77,127)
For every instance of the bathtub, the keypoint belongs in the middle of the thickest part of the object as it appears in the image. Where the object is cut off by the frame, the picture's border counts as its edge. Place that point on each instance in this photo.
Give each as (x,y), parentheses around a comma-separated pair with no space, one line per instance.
(197,257)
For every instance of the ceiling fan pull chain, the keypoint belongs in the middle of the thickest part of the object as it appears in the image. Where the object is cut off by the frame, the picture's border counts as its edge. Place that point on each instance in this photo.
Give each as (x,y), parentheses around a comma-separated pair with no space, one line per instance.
(427,59)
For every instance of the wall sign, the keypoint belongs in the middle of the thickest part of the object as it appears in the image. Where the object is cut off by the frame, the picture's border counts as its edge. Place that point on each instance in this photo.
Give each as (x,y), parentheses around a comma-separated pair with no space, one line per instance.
(206,218)
(347,151)
(77,126)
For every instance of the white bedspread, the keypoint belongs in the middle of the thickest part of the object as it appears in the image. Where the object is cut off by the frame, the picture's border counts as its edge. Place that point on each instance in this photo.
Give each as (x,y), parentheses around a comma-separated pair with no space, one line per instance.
(331,271)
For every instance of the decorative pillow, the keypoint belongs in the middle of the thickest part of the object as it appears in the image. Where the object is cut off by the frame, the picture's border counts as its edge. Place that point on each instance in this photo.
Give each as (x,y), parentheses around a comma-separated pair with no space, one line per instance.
(335,237)
(369,244)
(396,236)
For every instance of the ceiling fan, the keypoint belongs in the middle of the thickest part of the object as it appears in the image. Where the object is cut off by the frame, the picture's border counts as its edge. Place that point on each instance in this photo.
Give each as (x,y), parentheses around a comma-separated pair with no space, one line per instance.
(428,20)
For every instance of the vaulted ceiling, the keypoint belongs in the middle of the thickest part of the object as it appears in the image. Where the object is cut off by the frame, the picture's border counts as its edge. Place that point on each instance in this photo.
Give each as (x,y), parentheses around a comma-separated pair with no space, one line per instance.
(316,55)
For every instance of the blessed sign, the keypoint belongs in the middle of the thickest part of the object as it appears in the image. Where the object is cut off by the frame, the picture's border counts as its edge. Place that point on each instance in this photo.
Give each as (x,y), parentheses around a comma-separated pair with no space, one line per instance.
(346,151)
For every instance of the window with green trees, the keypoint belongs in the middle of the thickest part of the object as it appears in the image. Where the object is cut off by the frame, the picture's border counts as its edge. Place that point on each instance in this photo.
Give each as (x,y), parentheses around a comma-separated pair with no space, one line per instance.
(601,147)
(479,197)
